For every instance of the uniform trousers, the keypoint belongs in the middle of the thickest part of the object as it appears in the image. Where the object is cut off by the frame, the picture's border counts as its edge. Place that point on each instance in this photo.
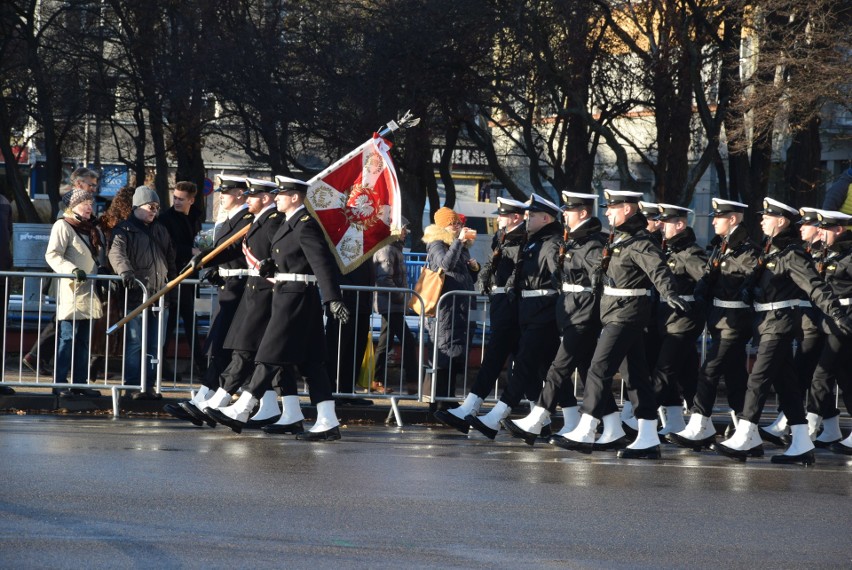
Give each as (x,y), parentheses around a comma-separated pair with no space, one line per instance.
(502,344)
(676,374)
(834,367)
(726,358)
(238,371)
(617,343)
(773,367)
(574,353)
(536,350)
(314,373)
(807,356)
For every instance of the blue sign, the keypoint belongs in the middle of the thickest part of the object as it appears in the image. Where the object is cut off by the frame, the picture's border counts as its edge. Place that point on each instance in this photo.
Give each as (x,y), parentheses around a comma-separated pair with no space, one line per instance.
(113,178)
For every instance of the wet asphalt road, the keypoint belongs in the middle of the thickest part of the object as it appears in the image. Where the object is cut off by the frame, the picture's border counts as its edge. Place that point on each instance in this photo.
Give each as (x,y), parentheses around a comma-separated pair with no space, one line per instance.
(142,493)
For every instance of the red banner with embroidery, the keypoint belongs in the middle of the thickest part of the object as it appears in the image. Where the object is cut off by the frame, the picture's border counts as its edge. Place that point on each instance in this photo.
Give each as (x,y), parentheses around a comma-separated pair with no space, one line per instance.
(357,202)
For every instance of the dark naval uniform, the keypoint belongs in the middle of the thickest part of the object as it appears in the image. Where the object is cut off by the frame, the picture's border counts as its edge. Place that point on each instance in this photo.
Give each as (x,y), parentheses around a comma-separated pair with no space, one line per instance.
(577,316)
(777,292)
(729,320)
(677,362)
(232,271)
(306,276)
(503,309)
(636,265)
(835,362)
(534,285)
(811,338)
(246,331)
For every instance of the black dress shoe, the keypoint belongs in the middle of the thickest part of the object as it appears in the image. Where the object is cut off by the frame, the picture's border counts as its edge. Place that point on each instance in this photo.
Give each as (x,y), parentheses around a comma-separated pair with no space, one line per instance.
(6,391)
(327,435)
(528,437)
(571,445)
(841,449)
(176,411)
(806,458)
(221,418)
(824,444)
(196,413)
(87,392)
(693,444)
(294,428)
(446,418)
(645,453)
(257,424)
(147,396)
(738,454)
(614,445)
(480,427)
(65,394)
(770,437)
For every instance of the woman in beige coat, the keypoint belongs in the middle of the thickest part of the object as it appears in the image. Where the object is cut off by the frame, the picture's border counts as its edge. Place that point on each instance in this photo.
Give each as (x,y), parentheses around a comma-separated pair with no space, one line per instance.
(73,248)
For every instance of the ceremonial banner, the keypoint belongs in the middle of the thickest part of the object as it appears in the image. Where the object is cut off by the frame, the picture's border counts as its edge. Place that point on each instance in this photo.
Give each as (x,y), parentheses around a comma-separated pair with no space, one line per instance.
(357,202)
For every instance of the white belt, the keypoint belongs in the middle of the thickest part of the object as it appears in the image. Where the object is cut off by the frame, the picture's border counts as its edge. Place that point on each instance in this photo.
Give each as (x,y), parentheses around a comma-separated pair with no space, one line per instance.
(300,277)
(730,304)
(687,298)
(762,307)
(615,292)
(846,302)
(497,290)
(574,288)
(234,272)
(805,304)
(538,293)
(252,272)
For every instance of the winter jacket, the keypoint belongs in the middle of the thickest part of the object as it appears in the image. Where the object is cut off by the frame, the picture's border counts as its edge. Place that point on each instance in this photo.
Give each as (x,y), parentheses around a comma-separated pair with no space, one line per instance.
(686,260)
(390,272)
(582,254)
(147,251)
(67,251)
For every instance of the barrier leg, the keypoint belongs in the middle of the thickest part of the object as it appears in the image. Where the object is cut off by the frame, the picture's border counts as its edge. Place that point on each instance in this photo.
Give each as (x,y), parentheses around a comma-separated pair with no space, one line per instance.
(114,391)
(395,407)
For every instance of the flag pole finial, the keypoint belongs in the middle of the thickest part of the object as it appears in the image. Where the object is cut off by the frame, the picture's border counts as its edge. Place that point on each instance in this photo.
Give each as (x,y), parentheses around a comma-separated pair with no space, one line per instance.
(405,122)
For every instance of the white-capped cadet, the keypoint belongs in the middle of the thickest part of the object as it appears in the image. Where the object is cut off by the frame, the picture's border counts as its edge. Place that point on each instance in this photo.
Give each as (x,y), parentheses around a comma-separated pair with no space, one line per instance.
(257,185)
(538,204)
(286,183)
(615,197)
(507,206)
(723,207)
(577,199)
(671,212)
(650,210)
(808,217)
(228,182)
(772,207)
(832,218)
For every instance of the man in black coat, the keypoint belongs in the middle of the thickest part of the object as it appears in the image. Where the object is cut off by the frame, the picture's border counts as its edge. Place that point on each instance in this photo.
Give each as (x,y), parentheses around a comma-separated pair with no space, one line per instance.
(631,265)
(503,312)
(305,277)
(775,291)
(534,285)
(729,322)
(183,223)
(246,330)
(676,372)
(578,319)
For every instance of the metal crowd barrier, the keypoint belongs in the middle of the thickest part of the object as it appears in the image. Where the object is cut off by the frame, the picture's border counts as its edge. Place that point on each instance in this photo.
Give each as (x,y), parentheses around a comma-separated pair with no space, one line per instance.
(33,309)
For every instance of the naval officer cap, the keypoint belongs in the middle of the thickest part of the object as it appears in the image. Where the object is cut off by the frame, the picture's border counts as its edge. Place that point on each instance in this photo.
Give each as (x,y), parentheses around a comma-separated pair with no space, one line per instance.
(724,207)
(809,216)
(772,207)
(285,183)
(228,182)
(832,218)
(256,186)
(615,197)
(538,204)
(650,210)
(668,212)
(507,207)
(577,200)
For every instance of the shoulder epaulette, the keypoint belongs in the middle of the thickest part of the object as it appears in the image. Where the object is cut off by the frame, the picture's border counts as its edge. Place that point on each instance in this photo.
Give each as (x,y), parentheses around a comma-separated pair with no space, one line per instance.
(248,216)
(304,218)
(275,215)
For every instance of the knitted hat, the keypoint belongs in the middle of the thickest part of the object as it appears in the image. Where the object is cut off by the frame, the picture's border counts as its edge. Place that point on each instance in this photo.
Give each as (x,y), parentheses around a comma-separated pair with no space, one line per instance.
(144,195)
(79,196)
(445,217)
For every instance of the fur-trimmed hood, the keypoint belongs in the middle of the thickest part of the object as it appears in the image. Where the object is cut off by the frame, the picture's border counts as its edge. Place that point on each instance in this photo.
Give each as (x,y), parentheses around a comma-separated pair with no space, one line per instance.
(433,232)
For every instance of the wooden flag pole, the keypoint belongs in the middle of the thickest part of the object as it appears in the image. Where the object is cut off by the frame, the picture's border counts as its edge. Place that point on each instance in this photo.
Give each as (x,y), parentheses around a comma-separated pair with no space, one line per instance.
(177,280)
